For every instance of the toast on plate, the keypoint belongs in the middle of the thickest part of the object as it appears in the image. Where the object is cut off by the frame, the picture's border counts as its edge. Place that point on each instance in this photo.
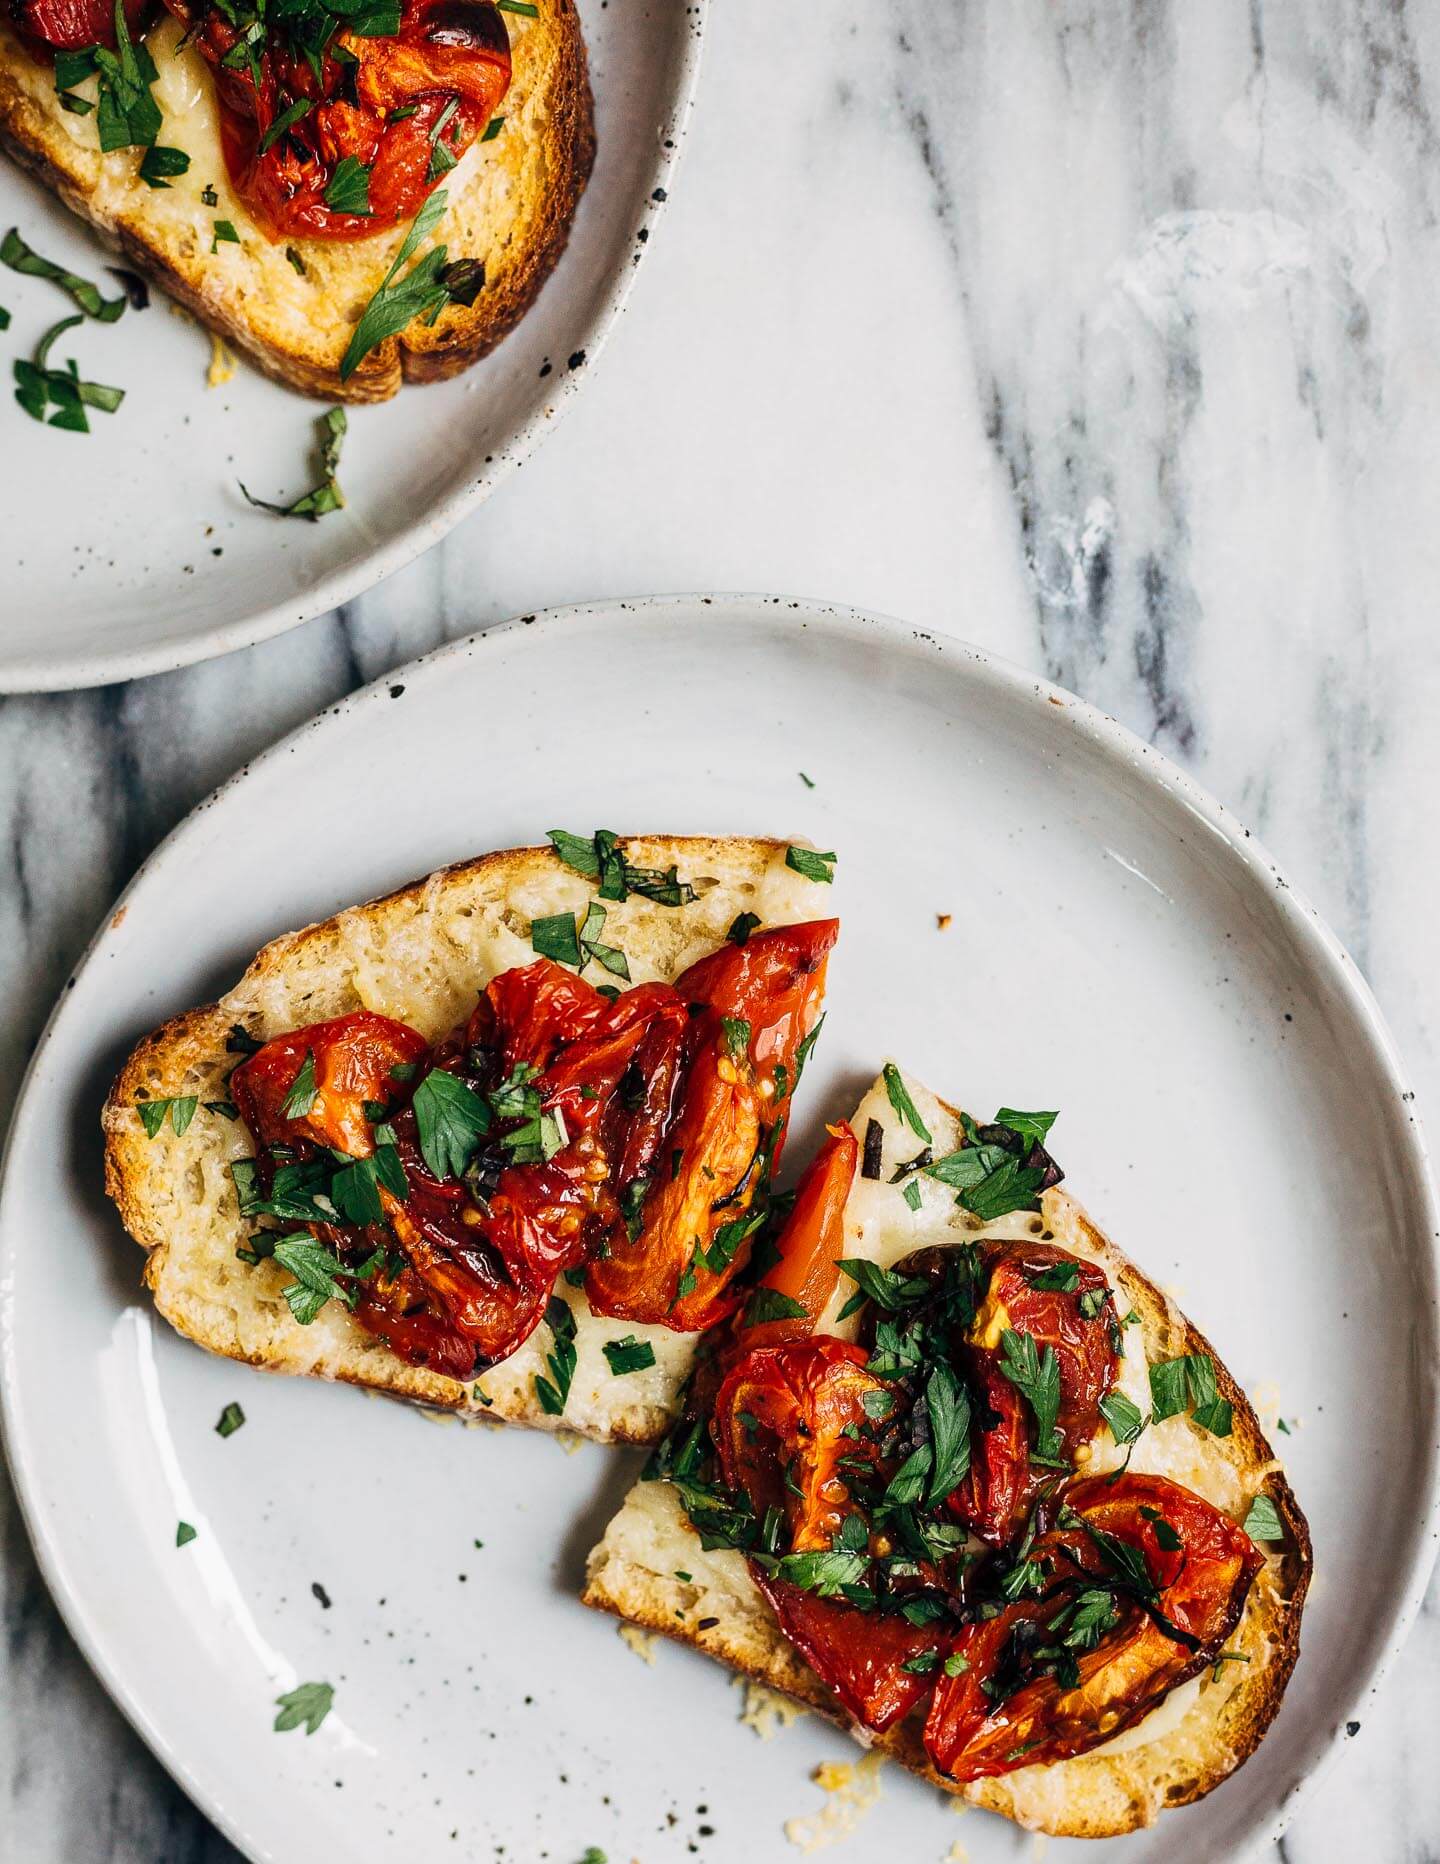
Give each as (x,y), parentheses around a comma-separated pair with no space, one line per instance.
(447,1262)
(291,304)
(653,1569)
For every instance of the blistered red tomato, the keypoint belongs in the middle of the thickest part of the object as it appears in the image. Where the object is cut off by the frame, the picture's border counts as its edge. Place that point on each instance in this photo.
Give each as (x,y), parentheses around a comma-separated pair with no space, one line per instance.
(674,1259)
(1008,1707)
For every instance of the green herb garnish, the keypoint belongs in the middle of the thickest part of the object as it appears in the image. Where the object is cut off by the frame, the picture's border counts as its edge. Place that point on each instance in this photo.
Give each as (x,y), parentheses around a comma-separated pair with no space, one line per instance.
(810,863)
(24,259)
(180,1107)
(305,1706)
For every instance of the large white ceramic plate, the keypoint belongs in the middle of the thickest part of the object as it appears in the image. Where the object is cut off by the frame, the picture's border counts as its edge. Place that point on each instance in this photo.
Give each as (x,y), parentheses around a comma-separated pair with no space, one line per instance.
(131,550)
(1232,1111)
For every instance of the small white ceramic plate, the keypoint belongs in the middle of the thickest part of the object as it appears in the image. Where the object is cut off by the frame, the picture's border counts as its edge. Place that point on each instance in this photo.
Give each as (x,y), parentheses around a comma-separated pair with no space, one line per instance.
(131,550)
(1232,1111)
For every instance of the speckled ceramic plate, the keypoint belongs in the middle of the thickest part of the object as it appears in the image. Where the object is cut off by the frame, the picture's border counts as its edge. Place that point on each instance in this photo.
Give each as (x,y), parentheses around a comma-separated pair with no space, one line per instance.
(1232,1110)
(131,550)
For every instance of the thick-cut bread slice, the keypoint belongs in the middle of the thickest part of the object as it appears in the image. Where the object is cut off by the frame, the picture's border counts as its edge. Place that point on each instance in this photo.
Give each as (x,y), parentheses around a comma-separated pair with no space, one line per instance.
(420,955)
(1202,1731)
(511,201)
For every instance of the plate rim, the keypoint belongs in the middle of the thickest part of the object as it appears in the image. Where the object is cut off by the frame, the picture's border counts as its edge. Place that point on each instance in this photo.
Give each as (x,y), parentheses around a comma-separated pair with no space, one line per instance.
(39,673)
(1138,760)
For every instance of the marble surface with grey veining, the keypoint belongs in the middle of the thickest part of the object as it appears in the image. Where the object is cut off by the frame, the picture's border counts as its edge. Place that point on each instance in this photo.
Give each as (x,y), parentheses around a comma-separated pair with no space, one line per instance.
(1103,332)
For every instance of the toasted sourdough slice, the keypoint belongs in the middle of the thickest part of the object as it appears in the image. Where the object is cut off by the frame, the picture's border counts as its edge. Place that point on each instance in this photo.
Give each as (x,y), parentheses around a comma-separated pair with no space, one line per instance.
(1203,1729)
(511,201)
(420,955)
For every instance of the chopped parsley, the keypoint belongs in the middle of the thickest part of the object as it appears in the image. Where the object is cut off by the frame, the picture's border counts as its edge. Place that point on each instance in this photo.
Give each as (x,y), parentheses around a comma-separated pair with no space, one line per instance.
(768,1304)
(184,1534)
(810,863)
(305,1706)
(1036,1376)
(1263,1520)
(1126,1419)
(160,166)
(1189,1383)
(554,1391)
(231,1418)
(424,291)
(223,233)
(741,926)
(180,1107)
(899,1096)
(627,1354)
(348,190)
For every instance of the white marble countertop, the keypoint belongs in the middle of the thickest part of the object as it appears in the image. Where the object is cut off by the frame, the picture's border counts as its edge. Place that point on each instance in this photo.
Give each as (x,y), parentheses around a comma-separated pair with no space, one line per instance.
(1102,332)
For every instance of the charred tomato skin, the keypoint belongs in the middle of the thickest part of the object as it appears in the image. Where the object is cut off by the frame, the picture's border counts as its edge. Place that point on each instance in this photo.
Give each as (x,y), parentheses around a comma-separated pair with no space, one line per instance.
(1201,1587)
(444,72)
(750,1008)
(1002,1481)
(779,1422)
(50,26)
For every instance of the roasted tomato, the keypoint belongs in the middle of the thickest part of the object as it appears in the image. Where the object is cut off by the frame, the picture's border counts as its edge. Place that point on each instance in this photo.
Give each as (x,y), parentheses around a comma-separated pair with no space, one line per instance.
(779,1425)
(689,1227)
(812,1242)
(349,1059)
(1055,1674)
(405,105)
(50,26)
(1071,1314)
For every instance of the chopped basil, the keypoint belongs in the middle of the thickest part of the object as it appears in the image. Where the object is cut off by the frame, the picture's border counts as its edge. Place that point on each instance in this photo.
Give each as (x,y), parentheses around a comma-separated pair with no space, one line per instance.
(451,1120)
(1263,1521)
(922,1663)
(180,1107)
(184,1533)
(38,387)
(911,1194)
(741,926)
(128,116)
(324,497)
(223,231)
(1036,1376)
(231,1418)
(812,865)
(904,1106)
(955,1664)
(599,857)
(555,937)
(305,1706)
(613,960)
(492,129)
(628,1354)
(770,1304)
(554,1391)
(24,259)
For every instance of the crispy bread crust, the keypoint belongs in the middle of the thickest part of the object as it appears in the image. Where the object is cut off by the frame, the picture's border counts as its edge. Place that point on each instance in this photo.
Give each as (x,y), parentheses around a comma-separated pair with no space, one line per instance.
(1094,1795)
(373,953)
(541,209)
